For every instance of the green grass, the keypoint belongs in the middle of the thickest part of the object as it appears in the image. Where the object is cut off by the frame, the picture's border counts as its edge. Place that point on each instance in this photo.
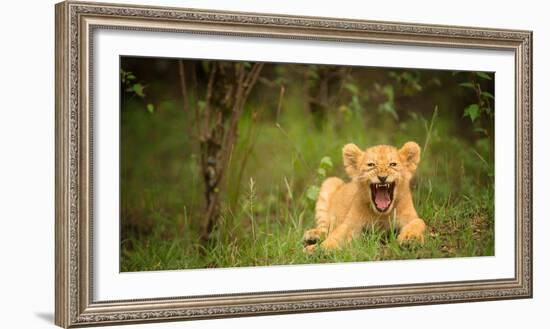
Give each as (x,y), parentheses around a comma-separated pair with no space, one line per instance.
(265,210)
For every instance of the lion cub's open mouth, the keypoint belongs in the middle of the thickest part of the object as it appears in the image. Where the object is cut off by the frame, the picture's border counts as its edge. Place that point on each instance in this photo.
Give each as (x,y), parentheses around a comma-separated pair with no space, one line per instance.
(382,195)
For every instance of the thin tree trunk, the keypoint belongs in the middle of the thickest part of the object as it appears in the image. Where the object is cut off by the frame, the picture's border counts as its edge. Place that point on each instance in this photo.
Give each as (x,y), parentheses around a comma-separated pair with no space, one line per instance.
(228,88)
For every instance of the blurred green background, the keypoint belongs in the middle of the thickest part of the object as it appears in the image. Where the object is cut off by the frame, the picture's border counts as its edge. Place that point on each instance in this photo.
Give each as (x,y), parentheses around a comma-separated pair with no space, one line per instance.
(290,135)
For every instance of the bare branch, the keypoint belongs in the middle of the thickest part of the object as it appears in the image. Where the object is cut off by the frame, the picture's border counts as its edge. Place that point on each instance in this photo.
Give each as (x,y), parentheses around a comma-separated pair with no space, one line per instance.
(207,101)
(252,78)
(243,90)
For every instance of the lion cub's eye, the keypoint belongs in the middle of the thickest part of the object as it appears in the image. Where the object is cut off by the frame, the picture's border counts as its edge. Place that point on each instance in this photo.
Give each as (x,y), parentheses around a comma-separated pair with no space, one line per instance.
(370,164)
(393,164)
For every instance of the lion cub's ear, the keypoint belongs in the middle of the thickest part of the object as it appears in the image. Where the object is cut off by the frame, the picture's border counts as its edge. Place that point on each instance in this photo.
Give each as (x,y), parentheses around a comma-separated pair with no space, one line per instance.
(352,155)
(410,155)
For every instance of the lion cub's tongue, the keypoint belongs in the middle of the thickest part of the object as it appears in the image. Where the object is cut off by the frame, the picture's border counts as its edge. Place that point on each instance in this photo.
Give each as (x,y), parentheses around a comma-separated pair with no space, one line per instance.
(382,198)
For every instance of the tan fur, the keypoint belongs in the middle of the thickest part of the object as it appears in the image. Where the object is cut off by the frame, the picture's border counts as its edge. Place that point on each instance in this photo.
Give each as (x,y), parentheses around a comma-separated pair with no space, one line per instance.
(343,210)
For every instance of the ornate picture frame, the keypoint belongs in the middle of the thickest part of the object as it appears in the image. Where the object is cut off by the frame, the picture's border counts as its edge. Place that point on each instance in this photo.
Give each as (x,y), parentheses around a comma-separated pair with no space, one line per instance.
(76,22)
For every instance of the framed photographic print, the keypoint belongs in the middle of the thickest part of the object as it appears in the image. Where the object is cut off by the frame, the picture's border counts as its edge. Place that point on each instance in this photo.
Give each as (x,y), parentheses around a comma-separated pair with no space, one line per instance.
(219,164)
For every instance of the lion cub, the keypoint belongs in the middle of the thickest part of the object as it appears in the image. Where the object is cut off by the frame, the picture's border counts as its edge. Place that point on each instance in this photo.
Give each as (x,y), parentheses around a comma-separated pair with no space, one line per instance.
(378,193)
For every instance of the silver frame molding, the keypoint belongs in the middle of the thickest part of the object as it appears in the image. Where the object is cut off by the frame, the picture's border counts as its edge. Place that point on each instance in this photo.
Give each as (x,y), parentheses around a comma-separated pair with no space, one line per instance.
(75,23)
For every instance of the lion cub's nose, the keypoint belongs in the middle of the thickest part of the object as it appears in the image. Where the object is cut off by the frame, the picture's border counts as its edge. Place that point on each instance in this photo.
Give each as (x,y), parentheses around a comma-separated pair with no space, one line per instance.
(382,179)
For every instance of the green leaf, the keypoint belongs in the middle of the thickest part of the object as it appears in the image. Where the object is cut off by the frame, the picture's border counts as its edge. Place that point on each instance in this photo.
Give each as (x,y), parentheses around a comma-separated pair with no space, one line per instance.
(407,76)
(487,110)
(322,172)
(312,72)
(387,107)
(416,85)
(201,105)
(150,108)
(487,94)
(388,90)
(312,193)
(467,85)
(352,88)
(355,104)
(138,89)
(484,75)
(281,81)
(326,163)
(482,131)
(472,111)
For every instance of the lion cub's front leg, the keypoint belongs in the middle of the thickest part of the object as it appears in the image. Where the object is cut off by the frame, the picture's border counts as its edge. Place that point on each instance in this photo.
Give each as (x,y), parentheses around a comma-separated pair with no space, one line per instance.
(343,234)
(412,230)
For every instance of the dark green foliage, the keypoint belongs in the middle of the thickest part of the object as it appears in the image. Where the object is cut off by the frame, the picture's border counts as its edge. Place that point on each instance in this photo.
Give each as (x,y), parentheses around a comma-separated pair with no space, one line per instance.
(485,99)
(129,85)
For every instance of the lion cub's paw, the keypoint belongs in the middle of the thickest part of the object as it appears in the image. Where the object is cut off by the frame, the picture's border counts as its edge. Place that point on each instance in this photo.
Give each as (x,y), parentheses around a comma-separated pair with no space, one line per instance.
(330,244)
(414,231)
(312,236)
(310,249)
(325,247)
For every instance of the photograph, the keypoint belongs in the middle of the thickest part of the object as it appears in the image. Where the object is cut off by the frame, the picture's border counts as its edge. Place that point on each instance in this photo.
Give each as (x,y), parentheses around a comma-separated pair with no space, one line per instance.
(241,164)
